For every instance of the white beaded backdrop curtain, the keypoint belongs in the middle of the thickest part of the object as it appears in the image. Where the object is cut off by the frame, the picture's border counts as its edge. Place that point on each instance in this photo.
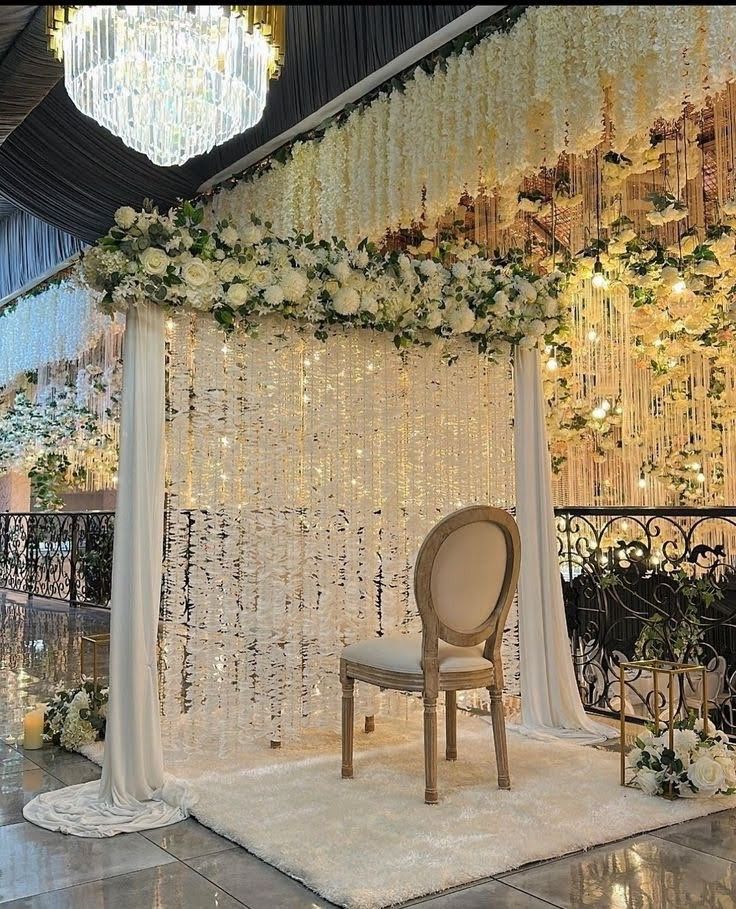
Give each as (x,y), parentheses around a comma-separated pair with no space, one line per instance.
(302,478)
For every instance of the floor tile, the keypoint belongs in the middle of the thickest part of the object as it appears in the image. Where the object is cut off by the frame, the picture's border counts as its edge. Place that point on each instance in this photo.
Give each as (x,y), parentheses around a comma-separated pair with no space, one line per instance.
(715,834)
(255,883)
(10,758)
(645,872)
(172,886)
(72,772)
(51,756)
(19,788)
(188,839)
(490,895)
(36,860)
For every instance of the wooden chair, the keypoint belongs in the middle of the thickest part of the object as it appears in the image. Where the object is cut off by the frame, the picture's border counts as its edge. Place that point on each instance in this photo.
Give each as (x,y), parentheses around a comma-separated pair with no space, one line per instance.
(464,583)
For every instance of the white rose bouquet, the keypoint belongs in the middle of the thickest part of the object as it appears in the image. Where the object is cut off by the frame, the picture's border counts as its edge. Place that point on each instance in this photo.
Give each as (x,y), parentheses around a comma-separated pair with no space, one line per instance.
(699,765)
(239,276)
(77,716)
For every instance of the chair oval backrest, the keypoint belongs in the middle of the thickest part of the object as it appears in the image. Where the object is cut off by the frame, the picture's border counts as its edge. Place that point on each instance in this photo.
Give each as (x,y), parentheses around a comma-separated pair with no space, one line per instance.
(466,574)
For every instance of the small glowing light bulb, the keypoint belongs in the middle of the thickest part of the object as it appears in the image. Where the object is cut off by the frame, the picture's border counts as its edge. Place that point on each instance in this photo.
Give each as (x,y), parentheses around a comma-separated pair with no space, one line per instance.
(307,362)
(592,335)
(679,287)
(695,465)
(606,404)
(552,364)
(169,324)
(658,342)
(598,413)
(225,348)
(642,482)
(701,477)
(624,525)
(599,280)
(224,441)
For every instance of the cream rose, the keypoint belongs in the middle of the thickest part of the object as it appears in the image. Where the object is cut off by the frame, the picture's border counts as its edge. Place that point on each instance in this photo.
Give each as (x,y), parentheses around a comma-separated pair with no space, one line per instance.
(154,261)
(647,780)
(707,775)
(237,294)
(196,273)
(227,270)
(261,276)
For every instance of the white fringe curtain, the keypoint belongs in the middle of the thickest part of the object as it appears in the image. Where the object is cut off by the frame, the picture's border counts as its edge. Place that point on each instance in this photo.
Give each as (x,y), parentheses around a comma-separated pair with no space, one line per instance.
(303,476)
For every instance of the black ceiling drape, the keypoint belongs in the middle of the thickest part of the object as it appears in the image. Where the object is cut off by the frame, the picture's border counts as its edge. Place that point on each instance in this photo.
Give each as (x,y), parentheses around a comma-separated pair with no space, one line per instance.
(67,170)
(28,248)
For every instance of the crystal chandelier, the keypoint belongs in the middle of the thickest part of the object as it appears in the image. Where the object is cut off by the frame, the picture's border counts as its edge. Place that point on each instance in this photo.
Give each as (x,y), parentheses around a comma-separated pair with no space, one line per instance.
(170,81)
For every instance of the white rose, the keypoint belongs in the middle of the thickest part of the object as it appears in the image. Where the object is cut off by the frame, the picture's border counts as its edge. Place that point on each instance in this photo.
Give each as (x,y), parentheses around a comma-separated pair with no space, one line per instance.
(707,775)
(708,268)
(427,268)
(252,235)
(196,273)
(229,236)
(648,781)
(261,276)
(125,217)
(460,270)
(537,328)
(237,294)
(688,244)
(551,307)
(273,295)
(227,270)
(526,289)
(346,301)
(293,284)
(501,300)
(154,261)
(729,769)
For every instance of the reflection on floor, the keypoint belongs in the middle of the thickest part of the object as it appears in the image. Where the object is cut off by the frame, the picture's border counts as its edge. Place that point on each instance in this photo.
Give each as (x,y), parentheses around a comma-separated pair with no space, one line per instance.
(189,867)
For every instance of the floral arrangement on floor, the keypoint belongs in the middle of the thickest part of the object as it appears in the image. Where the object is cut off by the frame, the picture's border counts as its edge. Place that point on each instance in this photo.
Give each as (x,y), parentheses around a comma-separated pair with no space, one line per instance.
(242,276)
(77,716)
(701,765)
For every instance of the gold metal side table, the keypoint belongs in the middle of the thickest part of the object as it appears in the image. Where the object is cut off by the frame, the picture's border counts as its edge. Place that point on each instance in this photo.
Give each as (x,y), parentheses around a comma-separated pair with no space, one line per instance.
(96,641)
(671,670)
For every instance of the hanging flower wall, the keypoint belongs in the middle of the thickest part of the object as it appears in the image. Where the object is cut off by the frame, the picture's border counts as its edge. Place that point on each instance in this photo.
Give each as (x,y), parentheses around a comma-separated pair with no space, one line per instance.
(242,275)
(61,322)
(45,438)
(492,114)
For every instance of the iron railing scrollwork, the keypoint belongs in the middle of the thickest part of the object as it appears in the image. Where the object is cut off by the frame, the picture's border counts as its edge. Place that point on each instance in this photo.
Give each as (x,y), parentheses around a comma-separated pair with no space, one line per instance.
(60,556)
(651,583)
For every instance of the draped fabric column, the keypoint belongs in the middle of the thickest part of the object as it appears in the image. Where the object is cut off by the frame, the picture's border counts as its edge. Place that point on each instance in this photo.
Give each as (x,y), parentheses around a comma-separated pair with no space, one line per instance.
(131,794)
(550,701)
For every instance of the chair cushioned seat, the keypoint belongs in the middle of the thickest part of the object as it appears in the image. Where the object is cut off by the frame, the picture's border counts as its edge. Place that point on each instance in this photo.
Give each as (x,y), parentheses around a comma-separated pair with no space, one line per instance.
(403,653)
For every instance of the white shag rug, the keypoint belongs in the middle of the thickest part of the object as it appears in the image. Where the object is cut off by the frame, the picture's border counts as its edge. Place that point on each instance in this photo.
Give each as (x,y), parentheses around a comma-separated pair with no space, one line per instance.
(370,842)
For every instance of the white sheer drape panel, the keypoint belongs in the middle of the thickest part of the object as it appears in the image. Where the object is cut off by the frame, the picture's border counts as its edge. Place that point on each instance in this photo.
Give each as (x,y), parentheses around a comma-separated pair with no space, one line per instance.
(303,476)
(131,794)
(550,701)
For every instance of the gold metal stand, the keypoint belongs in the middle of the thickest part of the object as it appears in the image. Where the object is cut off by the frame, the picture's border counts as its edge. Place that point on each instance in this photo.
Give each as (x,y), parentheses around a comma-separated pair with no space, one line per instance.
(96,640)
(657,668)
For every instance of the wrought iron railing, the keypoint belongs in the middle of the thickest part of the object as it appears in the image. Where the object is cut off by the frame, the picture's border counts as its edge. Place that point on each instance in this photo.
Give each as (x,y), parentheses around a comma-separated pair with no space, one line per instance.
(648,583)
(60,556)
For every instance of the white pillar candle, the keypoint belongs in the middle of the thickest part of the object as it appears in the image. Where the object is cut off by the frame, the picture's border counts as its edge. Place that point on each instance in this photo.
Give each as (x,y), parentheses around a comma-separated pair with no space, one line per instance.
(33,729)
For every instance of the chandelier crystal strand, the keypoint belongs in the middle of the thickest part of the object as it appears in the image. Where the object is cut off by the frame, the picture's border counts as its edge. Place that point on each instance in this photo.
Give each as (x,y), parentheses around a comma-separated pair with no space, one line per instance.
(171,81)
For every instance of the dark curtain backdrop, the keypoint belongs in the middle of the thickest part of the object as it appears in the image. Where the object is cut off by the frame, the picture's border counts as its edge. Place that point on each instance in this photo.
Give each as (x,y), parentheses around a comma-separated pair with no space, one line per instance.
(28,248)
(68,171)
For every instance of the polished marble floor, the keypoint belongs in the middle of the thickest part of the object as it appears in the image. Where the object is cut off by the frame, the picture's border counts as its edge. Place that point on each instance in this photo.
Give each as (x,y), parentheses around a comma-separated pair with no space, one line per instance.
(188,866)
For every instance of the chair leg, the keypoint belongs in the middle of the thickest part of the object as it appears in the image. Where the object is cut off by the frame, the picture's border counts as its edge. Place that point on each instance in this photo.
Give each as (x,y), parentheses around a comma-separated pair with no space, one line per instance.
(430,751)
(499,737)
(370,723)
(451,725)
(348,705)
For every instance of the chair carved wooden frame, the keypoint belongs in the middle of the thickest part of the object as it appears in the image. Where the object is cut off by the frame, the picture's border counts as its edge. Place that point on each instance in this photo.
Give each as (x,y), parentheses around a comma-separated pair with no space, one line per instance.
(476,549)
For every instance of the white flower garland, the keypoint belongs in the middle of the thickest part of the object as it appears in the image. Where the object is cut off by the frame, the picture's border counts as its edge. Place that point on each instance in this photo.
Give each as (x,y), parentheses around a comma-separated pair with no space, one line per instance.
(242,275)
(60,323)
(495,114)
